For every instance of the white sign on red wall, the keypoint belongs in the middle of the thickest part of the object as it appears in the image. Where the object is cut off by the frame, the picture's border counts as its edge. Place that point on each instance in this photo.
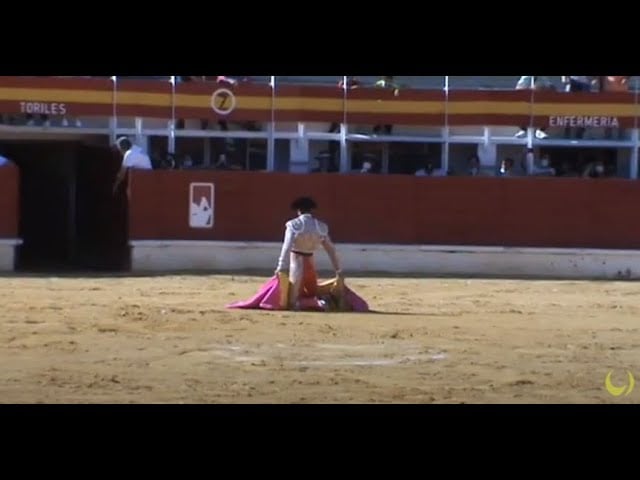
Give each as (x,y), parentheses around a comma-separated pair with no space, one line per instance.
(201,205)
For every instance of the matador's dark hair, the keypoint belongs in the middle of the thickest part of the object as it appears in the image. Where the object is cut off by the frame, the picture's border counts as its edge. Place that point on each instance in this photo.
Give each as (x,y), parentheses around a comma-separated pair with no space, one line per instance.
(304,204)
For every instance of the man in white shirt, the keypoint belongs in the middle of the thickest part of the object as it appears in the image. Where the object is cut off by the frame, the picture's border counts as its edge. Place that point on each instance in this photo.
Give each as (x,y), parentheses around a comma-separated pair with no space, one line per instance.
(303,236)
(132,157)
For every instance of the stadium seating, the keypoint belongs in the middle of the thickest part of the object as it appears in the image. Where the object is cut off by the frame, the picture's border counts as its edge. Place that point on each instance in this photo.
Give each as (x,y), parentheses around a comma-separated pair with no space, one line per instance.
(418,82)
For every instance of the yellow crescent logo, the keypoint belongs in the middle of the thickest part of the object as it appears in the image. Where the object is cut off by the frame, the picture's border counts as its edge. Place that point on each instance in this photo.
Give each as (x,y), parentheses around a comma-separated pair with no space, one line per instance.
(619,391)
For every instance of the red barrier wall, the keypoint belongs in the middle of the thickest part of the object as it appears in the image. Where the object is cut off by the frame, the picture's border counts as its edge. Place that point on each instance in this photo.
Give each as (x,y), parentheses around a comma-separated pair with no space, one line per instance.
(533,212)
(9,201)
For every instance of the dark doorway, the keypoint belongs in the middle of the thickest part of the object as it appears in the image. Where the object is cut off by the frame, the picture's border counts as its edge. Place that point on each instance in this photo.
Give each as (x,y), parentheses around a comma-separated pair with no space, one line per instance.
(46,204)
(101,216)
(69,217)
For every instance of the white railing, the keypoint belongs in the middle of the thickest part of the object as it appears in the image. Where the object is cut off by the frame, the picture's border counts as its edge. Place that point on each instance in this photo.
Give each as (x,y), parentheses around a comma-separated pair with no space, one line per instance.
(301,132)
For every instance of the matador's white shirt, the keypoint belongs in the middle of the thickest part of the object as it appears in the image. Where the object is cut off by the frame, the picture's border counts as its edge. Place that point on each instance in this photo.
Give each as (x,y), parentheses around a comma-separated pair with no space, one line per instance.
(304,234)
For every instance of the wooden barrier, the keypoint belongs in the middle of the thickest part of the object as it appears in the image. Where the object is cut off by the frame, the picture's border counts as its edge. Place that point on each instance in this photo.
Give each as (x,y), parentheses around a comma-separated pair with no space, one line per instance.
(371,209)
(9,201)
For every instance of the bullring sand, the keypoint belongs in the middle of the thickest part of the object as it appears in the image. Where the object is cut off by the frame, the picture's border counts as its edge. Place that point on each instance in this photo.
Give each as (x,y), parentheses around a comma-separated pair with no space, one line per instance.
(170,339)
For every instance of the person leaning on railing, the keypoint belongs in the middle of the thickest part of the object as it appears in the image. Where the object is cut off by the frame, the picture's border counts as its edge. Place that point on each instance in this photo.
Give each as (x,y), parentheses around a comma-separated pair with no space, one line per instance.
(132,158)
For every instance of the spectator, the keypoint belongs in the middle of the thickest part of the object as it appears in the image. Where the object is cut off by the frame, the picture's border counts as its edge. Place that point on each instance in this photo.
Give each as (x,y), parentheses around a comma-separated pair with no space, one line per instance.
(538,83)
(426,170)
(367,167)
(567,169)
(324,162)
(352,82)
(46,121)
(224,164)
(169,162)
(614,84)
(315,166)
(132,158)
(163,161)
(186,162)
(43,118)
(474,165)
(369,162)
(544,169)
(429,170)
(388,82)
(577,84)
(132,155)
(182,161)
(506,168)
(228,81)
(594,169)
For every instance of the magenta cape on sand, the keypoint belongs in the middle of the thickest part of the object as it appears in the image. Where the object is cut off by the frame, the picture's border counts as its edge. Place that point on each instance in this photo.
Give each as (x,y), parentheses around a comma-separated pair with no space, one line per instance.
(269,298)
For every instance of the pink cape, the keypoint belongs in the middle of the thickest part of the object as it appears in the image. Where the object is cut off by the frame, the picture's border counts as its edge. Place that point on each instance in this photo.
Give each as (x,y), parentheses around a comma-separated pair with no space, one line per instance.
(268,298)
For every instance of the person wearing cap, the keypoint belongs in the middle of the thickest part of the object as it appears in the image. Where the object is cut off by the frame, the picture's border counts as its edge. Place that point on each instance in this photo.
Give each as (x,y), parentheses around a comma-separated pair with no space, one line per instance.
(132,157)
(303,236)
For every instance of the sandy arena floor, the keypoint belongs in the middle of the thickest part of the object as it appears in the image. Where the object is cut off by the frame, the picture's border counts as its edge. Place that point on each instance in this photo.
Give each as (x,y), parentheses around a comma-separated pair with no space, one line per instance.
(170,340)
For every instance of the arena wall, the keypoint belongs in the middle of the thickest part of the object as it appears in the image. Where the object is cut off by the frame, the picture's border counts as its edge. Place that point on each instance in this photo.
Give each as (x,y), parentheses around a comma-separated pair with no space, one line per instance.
(452,226)
(159,256)
(9,215)
(394,210)
(576,228)
(9,201)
